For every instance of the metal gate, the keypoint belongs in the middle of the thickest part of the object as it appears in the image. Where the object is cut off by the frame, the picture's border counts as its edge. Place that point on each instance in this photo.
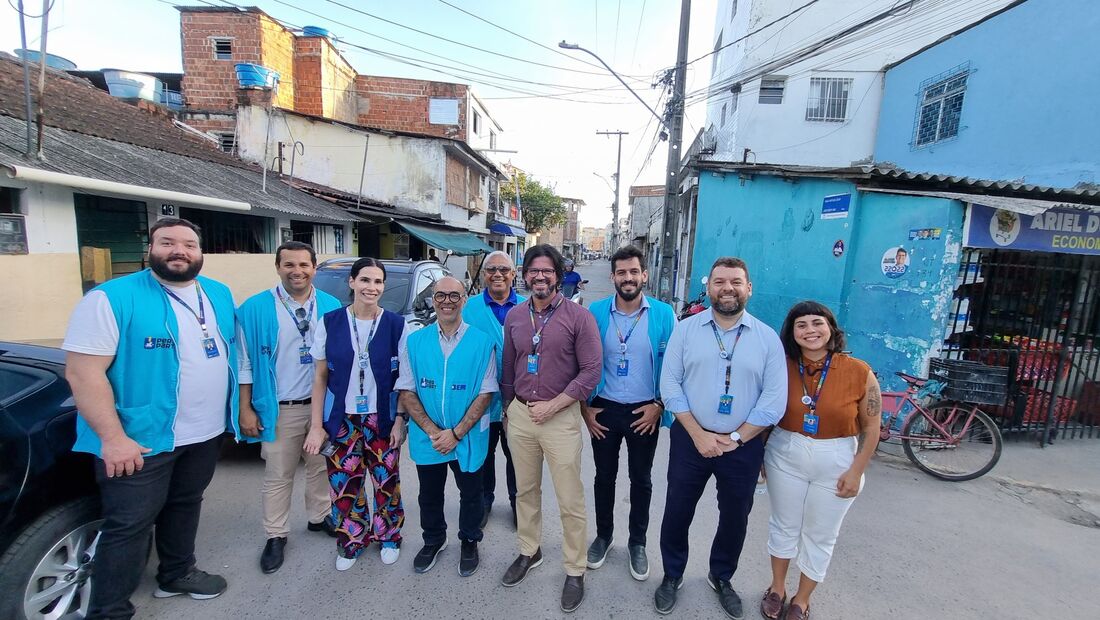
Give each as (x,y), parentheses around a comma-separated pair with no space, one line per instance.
(1037,314)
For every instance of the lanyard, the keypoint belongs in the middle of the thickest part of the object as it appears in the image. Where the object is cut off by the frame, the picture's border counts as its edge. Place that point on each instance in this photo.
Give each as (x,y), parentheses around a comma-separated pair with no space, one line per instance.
(298,323)
(811,401)
(727,355)
(537,338)
(359,350)
(200,316)
(619,333)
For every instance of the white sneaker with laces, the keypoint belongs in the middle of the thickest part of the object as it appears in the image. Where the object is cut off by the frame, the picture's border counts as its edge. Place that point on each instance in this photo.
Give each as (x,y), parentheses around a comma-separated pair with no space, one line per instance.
(343,563)
(390,554)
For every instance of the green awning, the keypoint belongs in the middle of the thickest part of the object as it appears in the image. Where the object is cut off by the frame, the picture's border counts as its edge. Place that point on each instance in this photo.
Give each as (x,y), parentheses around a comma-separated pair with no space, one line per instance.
(460,242)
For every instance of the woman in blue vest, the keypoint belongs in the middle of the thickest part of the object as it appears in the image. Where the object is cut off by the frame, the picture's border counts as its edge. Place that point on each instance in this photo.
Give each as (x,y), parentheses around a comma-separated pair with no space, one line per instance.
(356,352)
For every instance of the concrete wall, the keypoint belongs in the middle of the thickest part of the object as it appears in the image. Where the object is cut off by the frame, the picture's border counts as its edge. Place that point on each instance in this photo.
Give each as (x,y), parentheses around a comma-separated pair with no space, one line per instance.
(1027,114)
(44,289)
(775,225)
(246,274)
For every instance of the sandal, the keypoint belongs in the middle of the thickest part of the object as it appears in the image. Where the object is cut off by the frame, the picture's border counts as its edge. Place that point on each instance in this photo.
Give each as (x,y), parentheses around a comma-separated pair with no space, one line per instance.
(795,612)
(771,606)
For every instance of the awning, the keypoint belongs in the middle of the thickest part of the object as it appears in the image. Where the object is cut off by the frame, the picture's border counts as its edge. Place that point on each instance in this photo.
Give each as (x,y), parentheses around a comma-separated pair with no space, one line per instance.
(460,242)
(501,228)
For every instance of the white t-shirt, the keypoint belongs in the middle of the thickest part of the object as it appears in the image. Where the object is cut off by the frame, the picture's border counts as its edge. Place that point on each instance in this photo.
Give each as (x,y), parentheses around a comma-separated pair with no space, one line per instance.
(293,379)
(203,382)
(370,388)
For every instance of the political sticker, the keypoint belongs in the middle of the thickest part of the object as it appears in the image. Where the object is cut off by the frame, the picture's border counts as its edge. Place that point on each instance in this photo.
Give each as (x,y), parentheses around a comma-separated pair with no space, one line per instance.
(924,234)
(838,248)
(895,262)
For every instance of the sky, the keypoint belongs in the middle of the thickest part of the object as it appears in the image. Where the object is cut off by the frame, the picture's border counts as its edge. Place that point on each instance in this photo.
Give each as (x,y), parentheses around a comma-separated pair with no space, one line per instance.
(555,137)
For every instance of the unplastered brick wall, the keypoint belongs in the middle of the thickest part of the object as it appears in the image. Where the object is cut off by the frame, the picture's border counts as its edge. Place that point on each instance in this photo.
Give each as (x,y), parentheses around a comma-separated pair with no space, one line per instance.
(456,182)
(402,105)
(307,75)
(277,51)
(210,83)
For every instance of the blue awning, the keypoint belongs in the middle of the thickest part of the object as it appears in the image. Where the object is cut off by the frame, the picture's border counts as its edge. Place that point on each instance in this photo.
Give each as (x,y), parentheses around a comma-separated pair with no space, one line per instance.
(460,242)
(501,228)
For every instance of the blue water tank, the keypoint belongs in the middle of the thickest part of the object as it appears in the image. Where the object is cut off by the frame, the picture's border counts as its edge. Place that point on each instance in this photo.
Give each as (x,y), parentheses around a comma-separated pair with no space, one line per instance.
(52,60)
(256,76)
(315,31)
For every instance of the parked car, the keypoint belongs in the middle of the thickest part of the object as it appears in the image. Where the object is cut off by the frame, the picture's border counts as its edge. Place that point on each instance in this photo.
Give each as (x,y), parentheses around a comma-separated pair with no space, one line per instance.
(49,502)
(408,285)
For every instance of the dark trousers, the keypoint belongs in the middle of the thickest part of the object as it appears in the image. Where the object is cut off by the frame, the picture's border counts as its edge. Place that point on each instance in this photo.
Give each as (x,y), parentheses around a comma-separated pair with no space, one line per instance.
(432,521)
(167,493)
(640,449)
(735,475)
(489,469)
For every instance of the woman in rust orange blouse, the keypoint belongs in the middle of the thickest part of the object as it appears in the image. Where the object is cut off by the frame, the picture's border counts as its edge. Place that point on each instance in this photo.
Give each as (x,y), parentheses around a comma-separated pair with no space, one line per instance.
(816,455)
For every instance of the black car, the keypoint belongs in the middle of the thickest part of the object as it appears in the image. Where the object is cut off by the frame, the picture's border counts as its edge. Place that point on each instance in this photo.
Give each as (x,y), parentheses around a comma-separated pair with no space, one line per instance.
(408,285)
(49,502)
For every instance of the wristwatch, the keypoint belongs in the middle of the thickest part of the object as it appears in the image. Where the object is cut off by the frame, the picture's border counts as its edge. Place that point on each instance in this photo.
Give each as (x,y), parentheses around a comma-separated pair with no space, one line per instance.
(737,438)
(404,415)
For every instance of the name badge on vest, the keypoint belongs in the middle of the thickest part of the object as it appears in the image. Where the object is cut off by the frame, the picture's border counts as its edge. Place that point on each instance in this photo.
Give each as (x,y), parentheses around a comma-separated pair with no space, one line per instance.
(303,356)
(810,423)
(623,368)
(393,364)
(725,404)
(361,404)
(210,347)
(364,360)
(533,364)
(427,383)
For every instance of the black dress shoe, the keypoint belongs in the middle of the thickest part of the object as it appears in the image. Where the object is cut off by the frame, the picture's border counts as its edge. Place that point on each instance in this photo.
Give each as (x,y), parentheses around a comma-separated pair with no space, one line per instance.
(325,526)
(597,552)
(727,596)
(272,557)
(469,560)
(519,569)
(425,560)
(572,593)
(664,599)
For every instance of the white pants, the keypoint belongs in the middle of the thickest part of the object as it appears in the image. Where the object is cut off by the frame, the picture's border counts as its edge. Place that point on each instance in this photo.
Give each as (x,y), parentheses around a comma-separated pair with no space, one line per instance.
(806,512)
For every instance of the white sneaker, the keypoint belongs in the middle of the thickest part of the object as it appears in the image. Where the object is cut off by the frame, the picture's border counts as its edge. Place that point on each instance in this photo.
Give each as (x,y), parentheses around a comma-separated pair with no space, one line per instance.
(390,554)
(343,563)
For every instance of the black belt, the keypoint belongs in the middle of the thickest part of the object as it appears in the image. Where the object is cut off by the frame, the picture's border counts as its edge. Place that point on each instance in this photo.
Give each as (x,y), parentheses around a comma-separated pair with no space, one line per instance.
(520,399)
(304,401)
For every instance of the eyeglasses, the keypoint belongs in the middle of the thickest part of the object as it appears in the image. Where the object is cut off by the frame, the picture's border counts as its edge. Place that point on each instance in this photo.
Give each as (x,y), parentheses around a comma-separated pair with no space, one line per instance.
(452,297)
(541,272)
(303,322)
(502,269)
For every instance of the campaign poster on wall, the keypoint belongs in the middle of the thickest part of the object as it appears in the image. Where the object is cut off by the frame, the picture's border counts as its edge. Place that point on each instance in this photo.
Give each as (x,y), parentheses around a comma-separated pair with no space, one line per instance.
(1065,230)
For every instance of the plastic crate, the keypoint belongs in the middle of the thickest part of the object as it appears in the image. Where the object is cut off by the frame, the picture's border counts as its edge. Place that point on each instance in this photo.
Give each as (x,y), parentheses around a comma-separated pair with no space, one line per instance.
(971,382)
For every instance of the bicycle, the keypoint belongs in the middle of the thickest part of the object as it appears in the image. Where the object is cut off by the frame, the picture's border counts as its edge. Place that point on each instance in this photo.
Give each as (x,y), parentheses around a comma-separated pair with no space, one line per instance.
(950,440)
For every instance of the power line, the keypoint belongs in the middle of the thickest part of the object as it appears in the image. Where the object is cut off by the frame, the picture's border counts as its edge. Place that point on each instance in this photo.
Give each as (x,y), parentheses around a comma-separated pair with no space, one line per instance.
(638,37)
(749,34)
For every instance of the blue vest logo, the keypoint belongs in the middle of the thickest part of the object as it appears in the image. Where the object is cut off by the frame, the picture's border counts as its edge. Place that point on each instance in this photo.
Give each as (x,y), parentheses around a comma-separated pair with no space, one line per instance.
(158,343)
(458,386)
(428,384)
(265,350)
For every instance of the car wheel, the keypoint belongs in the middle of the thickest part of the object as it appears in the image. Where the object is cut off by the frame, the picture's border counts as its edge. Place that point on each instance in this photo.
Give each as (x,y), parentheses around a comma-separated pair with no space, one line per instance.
(46,573)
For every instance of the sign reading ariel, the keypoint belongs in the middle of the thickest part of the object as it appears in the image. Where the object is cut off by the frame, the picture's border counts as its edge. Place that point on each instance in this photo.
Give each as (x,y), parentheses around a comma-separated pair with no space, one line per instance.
(1065,230)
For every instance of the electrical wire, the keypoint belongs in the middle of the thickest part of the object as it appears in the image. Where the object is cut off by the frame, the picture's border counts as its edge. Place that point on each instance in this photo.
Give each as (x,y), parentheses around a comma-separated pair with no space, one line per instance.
(638,36)
(749,34)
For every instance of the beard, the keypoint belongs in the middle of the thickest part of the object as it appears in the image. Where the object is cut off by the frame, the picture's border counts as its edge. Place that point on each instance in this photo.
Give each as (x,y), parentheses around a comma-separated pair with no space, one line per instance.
(160,267)
(729,308)
(632,295)
(551,289)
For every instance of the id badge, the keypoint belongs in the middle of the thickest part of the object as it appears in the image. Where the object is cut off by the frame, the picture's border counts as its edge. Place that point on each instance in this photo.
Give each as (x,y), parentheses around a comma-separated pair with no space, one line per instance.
(725,404)
(364,361)
(809,423)
(303,356)
(361,405)
(623,368)
(533,364)
(210,347)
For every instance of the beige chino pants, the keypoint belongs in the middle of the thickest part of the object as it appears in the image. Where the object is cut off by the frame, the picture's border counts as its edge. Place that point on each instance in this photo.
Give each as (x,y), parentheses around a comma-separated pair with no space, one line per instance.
(558,441)
(282,457)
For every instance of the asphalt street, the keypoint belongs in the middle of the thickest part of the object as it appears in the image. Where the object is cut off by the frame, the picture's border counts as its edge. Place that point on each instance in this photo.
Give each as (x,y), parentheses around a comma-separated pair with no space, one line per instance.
(911,547)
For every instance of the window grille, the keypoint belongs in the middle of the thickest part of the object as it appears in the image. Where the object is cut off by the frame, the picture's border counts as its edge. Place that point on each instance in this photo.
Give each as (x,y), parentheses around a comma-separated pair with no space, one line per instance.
(828,99)
(227,141)
(940,109)
(771,89)
(223,49)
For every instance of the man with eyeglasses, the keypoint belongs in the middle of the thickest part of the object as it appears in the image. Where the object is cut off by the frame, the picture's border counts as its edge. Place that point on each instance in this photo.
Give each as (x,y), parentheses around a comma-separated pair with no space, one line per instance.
(487,312)
(552,361)
(276,330)
(448,377)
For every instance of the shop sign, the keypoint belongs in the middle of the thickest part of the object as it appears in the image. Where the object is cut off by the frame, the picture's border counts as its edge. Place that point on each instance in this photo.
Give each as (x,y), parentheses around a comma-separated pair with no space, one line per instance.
(895,262)
(1065,230)
(835,207)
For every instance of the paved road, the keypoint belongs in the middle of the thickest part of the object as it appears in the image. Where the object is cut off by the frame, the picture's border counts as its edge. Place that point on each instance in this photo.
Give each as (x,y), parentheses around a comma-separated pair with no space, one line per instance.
(912,547)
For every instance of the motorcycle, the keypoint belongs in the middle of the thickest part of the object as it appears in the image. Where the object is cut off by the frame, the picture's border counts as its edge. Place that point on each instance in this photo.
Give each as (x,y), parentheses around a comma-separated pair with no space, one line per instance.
(573,292)
(695,306)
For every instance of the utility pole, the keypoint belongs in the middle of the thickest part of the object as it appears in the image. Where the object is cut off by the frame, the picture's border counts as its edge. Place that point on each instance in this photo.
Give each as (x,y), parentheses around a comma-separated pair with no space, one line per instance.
(618,171)
(675,114)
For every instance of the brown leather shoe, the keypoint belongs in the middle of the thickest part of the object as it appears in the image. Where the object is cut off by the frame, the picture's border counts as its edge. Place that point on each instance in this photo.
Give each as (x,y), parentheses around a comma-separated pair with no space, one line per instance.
(772,605)
(572,593)
(795,612)
(518,570)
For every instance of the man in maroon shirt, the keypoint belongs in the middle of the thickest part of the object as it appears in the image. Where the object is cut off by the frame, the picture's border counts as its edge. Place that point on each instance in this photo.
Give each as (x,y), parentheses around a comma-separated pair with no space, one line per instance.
(552,362)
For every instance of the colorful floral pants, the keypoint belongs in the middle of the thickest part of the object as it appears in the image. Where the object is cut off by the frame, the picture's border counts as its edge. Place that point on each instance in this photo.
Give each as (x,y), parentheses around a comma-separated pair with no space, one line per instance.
(361,451)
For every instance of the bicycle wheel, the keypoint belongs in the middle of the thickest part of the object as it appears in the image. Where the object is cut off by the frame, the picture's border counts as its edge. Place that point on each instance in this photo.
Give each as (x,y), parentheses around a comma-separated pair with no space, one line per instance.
(959,455)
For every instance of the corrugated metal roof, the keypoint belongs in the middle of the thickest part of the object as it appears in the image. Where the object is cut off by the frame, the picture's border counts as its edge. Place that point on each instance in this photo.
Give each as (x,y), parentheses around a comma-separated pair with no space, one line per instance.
(84,155)
(1026,206)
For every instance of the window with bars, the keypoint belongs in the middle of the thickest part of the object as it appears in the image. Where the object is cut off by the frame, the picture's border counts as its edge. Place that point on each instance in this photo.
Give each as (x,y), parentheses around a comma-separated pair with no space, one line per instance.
(227,141)
(828,99)
(223,49)
(940,109)
(771,89)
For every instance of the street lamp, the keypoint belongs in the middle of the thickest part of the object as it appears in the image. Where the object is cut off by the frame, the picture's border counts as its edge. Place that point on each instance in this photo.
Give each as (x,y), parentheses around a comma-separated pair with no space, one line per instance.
(574,46)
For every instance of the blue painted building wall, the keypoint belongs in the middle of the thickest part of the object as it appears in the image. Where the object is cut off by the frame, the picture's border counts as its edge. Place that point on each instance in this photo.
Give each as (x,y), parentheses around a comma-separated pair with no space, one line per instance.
(1029,109)
(775,225)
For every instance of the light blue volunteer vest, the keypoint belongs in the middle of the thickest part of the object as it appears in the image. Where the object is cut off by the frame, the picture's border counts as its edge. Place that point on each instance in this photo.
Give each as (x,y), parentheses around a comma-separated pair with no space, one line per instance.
(145,373)
(478,314)
(446,389)
(260,323)
(661,320)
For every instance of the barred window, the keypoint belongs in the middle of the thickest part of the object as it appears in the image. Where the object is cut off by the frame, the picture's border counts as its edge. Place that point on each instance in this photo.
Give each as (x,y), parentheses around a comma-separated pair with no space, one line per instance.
(828,99)
(940,109)
(223,49)
(227,141)
(771,89)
